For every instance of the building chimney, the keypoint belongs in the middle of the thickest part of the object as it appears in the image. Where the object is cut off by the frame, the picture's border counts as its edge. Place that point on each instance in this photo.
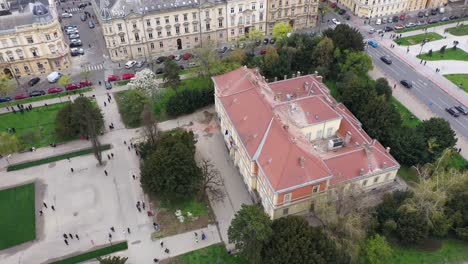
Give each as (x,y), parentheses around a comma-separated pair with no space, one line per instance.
(298,74)
(347,138)
(293,75)
(361,171)
(384,165)
(301,161)
(387,149)
(373,141)
(285,77)
(276,79)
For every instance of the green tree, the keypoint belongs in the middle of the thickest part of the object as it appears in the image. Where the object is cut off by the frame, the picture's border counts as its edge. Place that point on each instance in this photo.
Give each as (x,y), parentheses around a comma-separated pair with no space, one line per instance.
(251,38)
(64,80)
(131,103)
(323,53)
(357,62)
(375,250)
(271,60)
(281,30)
(112,260)
(249,231)
(346,38)
(73,119)
(438,132)
(8,143)
(295,241)
(411,229)
(7,85)
(237,56)
(408,146)
(457,208)
(383,88)
(171,74)
(171,171)
(208,60)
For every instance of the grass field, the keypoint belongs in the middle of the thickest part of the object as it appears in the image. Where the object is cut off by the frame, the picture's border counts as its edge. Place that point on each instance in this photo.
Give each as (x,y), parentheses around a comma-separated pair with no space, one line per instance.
(416,39)
(459,31)
(451,251)
(35,128)
(63,95)
(449,54)
(212,254)
(459,78)
(409,120)
(17,221)
(196,208)
(30,164)
(408,174)
(121,83)
(94,254)
(431,25)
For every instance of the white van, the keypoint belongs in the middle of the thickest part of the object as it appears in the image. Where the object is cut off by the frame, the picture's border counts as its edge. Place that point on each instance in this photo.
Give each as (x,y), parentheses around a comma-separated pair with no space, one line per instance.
(53,76)
(441,10)
(378,22)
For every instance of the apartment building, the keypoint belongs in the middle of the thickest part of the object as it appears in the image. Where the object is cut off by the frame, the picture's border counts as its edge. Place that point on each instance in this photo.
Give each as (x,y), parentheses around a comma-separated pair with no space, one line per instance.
(244,15)
(416,5)
(376,8)
(293,143)
(297,13)
(139,29)
(436,3)
(31,39)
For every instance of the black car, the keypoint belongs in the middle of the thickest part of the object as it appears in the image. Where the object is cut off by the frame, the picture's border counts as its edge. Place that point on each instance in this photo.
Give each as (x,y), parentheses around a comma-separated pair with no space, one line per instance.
(342,12)
(462,109)
(421,14)
(432,21)
(75,44)
(388,28)
(36,93)
(434,11)
(348,17)
(395,19)
(386,59)
(160,60)
(33,81)
(5,99)
(453,17)
(159,70)
(182,67)
(223,50)
(82,5)
(406,83)
(453,111)
(265,41)
(272,41)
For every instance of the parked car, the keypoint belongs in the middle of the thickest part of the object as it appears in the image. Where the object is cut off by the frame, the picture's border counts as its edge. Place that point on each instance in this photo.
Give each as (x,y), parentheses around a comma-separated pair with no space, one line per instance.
(420,14)
(263,51)
(70,31)
(453,17)
(75,41)
(373,43)
(434,11)
(67,15)
(161,59)
(453,111)
(83,17)
(410,25)
(182,67)
(406,83)
(433,21)
(386,59)
(82,5)
(76,51)
(75,44)
(371,31)
(384,20)
(388,28)
(348,17)
(462,109)
(171,57)
(108,85)
(223,50)
(399,26)
(402,17)
(395,19)
(53,90)
(127,76)
(33,81)
(54,76)
(21,96)
(130,64)
(332,4)
(178,57)
(112,78)
(342,12)
(187,56)
(140,64)
(91,24)
(5,99)
(265,41)
(85,83)
(378,22)
(36,93)
(159,70)
(74,36)
(69,26)
(72,86)
(335,21)
(445,19)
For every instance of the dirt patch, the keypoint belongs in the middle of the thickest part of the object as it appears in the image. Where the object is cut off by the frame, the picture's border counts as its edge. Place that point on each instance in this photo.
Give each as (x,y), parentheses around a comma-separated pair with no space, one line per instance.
(208,116)
(170,225)
(430,245)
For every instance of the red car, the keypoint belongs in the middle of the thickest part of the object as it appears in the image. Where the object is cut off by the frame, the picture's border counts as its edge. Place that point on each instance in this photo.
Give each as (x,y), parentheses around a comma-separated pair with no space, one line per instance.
(85,83)
(332,5)
(72,86)
(21,96)
(187,56)
(263,52)
(127,76)
(53,90)
(171,57)
(113,78)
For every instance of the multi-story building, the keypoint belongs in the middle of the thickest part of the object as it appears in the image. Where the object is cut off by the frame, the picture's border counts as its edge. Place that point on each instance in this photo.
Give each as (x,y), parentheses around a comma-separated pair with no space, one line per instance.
(297,13)
(376,8)
(243,15)
(137,29)
(292,142)
(31,39)
(436,3)
(416,5)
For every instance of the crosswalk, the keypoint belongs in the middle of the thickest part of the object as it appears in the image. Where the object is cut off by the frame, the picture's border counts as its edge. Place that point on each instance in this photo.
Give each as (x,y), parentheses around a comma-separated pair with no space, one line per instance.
(95,67)
(73,10)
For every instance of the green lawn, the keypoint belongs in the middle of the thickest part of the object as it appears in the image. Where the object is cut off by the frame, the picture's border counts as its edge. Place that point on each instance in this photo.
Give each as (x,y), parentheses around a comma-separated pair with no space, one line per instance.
(458,162)
(452,251)
(331,84)
(63,95)
(431,25)
(459,78)
(33,163)
(196,208)
(215,254)
(17,220)
(408,174)
(409,120)
(121,83)
(449,54)
(35,128)
(93,254)
(459,31)
(416,39)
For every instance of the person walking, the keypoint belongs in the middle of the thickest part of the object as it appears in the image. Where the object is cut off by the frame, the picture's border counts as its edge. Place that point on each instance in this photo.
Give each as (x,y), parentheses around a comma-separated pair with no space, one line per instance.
(112,229)
(112,155)
(128,230)
(155,260)
(40,212)
(70,235)
(425,63)
(45,205)
(53,208)
(108,99)
(110,236)
(162,244)
(77,237)
(108,156)
(66,242)
(143,205)
(72,170)
(134,176)
(105,172)
(125,142)
(203,236)
(105,104)
(65,236)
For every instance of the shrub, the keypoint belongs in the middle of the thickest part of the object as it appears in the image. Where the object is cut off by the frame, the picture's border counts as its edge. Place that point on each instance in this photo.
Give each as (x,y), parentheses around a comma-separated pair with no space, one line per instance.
(188,100)
(131,104)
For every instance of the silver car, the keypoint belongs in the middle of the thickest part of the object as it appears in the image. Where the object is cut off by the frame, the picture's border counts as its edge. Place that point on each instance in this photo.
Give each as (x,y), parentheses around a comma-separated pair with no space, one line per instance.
(74,36)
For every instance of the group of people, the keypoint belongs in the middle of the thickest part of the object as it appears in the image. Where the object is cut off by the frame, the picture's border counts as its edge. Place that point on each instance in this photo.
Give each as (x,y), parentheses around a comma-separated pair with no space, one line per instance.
(21,108)
(70,235)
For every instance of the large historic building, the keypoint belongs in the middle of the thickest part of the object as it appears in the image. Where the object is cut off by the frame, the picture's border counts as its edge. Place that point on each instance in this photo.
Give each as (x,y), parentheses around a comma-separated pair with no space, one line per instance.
(292,142)
(376,8)
(31,39)
(297,13)
(244,15)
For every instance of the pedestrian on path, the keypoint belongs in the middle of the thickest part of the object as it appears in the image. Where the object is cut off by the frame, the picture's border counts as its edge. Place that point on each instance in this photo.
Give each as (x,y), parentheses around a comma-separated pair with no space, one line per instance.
(108,99)
(70,235)
(128,230)
(105,104)
(65,236)
(45,205)
(113,229)
(53,208)
(155,260)
(108,156)
(203,236)
(425,63)
(105,172)
(125,142)
(407,50)
(394,86)
(134,177)
(110,236)
(128,148)
(66,242)
(77,237)
(72,170)
(162,244)
(143,205)
(99,83)
(40,212)
(167,250)
(421,62)
(112,154)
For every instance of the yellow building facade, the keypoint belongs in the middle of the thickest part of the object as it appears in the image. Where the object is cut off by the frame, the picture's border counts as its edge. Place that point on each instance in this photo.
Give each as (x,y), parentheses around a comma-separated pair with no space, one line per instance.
(298,14)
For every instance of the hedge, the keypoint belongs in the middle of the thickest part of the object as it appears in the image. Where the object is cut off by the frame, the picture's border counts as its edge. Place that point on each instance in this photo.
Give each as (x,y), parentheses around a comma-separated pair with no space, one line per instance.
(94,254)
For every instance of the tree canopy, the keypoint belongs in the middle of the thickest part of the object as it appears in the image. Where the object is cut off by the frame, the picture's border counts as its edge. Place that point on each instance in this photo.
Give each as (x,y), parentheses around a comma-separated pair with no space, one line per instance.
(281,30)
(131,103)
(346,38)
(375,250)
(9,143)
(171,74)
(7,85)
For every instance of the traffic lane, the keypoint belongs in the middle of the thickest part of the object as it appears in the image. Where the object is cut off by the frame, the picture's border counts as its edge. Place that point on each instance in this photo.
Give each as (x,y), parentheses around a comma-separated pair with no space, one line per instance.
(423,89)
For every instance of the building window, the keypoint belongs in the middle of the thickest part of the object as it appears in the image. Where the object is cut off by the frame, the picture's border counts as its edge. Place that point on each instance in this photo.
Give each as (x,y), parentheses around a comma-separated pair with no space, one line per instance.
(185,17)
(195,28)
(40,66)
(376,179)
(55,35)
(125,50)
(207,14)
(137,37)
(10,55)
(253,6)
(287,198)
(292,12)
(150,35)
(232,10)
(134,25)
(161,45)
(207,26)
(260,16)
(286,12)
(17,71)
(167,20)
(152,45)
(159,33)
(26,68)
(233,21)
(28,39)
(240,8)
(315,189)
(176,18)
(220,23)
(122,39)
(285,211)
(47,36)
(158,22)
(240,20)
(177,29)
(279,13)
(110,30)
(247,20)
(194,15)
(364,183)
(119,27)
(148,22)
(196,39)
(186,29)
(168,32)
(241,30)
(220,11)
(34,52)
(1,58)
(139,50)
(221,35)
(261,5)
(318,135)
(329,131)
(387,176)
(253,18)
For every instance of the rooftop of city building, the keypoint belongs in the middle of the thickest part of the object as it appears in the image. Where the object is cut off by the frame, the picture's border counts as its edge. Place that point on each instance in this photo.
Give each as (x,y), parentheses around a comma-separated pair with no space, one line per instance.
(24,12)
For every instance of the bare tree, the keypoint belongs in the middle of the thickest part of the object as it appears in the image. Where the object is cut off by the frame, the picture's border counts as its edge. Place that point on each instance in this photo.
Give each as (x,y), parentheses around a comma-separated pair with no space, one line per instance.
(93,136)
(150,125)
(212,181)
